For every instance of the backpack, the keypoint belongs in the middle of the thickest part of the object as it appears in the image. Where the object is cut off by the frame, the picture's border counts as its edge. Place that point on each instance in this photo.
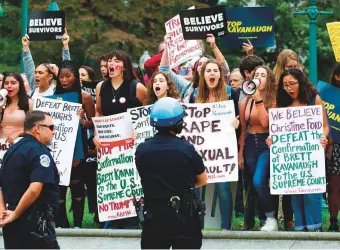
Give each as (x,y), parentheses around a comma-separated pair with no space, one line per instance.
(194,94)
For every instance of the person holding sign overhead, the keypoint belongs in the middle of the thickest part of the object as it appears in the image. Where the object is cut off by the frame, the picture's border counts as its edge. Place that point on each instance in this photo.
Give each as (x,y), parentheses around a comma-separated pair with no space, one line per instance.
(212,88)
(170,169)
(41,78)
(296,90)
(253,153)
(14,107)
(69,81)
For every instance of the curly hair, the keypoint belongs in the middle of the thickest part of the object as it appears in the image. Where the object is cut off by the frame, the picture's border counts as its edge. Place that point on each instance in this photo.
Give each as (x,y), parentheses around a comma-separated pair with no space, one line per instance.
(203,90)
(270,88)
(171,92)
(306,90)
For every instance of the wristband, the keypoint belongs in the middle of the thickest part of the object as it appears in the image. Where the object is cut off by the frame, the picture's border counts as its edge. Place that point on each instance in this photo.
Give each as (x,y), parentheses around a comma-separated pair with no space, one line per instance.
(258,102)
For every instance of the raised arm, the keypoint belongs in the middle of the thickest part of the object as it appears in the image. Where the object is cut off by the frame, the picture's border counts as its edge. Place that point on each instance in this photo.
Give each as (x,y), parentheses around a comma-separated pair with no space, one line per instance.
(66,50)
(29,66)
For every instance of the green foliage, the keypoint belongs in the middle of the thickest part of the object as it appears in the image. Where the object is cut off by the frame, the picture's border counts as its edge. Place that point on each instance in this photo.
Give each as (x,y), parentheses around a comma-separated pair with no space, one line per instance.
(96,27)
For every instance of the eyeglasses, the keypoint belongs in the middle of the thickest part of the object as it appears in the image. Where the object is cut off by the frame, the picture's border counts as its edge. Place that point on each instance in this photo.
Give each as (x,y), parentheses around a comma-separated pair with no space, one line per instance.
(51,127)
(290,85)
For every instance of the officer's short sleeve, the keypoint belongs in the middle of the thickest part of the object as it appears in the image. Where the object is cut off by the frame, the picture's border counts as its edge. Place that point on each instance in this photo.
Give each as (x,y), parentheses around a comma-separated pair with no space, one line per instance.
(196,161)
(42,168)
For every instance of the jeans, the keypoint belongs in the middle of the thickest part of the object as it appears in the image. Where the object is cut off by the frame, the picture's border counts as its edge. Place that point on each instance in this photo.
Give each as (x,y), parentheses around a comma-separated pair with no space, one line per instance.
(307,211)
(256,157)
(224,195)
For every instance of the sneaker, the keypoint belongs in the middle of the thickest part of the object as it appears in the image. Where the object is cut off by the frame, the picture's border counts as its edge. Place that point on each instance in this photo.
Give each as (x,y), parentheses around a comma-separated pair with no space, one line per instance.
(333,226)
(270,225)
(317,230)
(248,228)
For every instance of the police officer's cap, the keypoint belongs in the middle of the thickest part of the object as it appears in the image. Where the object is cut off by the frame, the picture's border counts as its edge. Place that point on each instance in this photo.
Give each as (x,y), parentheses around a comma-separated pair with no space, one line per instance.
(166,112)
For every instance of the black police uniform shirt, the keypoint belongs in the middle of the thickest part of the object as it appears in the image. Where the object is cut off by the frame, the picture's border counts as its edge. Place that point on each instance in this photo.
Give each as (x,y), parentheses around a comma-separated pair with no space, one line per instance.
(30,162)
(166,160)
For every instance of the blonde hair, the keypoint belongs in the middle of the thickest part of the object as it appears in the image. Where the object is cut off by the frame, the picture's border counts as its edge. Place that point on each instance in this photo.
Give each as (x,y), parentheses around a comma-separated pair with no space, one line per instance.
(282,60)
(203,91)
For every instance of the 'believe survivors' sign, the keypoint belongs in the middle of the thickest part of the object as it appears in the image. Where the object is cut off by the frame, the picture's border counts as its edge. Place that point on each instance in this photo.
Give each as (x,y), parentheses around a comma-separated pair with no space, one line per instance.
(197,23)
(297,159)
(46,25)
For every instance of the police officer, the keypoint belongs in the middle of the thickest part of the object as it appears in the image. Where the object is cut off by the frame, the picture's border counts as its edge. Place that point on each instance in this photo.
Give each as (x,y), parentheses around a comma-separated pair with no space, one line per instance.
(30,187)
(170,168)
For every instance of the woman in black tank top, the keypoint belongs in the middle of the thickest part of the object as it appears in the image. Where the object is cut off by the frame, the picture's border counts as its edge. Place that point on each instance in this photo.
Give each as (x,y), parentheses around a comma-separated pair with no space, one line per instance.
(115,95)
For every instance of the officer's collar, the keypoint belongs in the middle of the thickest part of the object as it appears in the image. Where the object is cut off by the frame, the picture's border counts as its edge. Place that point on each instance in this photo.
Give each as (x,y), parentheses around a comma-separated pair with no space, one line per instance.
(31,137)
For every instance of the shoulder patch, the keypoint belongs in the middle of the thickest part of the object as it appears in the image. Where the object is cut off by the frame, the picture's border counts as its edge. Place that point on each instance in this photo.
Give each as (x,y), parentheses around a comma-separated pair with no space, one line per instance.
(45,161)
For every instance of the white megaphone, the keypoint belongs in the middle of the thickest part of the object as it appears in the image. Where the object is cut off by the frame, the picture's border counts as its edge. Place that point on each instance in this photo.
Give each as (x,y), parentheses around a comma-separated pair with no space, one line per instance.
(3,94)
(249,86)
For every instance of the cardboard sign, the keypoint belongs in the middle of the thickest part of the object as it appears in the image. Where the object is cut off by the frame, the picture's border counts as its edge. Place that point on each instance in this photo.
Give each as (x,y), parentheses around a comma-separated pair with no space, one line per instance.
(197,23)
(330,96)
(180,50)
(334,35)
(208,128)
(297,159)
(46,25)
(116,170)
(253,23)
(66,122)
(78,149)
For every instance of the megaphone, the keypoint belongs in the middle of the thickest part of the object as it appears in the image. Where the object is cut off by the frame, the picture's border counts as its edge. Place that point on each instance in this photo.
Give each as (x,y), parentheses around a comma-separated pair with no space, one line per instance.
(3,94)
(249,86)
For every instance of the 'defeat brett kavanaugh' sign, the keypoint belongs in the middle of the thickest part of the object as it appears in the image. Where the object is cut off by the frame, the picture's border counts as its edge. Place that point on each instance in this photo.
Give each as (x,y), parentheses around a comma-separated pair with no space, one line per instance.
(46,25)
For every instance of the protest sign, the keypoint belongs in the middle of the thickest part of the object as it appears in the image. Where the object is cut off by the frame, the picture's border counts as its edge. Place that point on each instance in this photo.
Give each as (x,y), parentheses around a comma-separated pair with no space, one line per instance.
(297,159)
(116,171)
(180,50)
(90,87)
(4,146)
(334,35)
(66,122)
(197,23)
(208,128)
(253,23)
(46,25)
(79,148)
(330,96)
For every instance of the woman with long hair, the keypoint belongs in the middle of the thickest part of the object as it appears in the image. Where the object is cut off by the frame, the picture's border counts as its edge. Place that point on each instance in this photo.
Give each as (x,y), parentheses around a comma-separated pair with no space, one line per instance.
(69,81)
(160,86)
(86,73)
(14,108)
(212,88)
(121,91)
(287,59)
(296,90)
(254,153)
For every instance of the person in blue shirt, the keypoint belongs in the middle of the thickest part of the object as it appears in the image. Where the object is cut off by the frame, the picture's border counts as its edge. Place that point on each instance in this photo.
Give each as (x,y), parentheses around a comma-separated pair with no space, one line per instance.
(30,187)
(170,169)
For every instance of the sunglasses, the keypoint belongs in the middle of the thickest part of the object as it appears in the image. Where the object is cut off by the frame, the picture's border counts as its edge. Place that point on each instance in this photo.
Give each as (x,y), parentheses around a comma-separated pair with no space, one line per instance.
(51,127)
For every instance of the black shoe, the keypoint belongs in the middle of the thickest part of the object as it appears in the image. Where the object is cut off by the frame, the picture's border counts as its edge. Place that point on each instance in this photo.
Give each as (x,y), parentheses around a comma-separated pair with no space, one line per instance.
(248,228)
(333,226)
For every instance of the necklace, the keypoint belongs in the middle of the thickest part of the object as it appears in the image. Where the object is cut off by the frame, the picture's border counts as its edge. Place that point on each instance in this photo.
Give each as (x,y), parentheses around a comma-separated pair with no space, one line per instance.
(115,95)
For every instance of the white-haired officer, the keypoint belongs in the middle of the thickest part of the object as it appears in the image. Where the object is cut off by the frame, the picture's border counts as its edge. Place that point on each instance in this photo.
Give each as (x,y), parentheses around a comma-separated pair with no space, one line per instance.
(170,169)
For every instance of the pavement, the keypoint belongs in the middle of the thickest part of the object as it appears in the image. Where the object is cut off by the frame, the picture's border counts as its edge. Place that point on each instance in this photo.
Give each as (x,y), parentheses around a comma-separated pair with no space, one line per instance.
(130,239)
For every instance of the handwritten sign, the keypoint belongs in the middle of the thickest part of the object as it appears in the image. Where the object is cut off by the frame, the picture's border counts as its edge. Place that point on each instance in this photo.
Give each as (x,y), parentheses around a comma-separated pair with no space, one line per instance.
(297,159)
(334,35)
(66,123)
(180,50)
(116,171)
(208,128)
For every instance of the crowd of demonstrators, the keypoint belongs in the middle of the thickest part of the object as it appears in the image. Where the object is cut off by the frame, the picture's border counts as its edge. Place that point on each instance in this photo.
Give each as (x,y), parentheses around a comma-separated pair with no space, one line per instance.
(208,81)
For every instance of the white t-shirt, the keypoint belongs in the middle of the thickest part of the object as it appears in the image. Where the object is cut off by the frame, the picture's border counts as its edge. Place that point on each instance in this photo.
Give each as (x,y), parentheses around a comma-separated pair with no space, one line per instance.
(48,92)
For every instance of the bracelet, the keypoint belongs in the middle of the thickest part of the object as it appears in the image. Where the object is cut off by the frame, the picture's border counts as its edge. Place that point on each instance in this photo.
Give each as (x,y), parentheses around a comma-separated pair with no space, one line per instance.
(258,102)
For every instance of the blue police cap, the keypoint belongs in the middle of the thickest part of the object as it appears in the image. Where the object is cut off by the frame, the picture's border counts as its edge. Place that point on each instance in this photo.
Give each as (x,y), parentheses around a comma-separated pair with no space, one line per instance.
(166,112)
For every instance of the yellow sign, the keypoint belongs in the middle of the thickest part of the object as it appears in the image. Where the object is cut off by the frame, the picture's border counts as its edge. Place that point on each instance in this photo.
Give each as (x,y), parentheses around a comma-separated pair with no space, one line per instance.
(334,35)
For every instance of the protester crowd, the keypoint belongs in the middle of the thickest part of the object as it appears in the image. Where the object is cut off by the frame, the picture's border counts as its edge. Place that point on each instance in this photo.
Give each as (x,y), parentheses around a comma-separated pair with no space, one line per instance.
(208,80)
